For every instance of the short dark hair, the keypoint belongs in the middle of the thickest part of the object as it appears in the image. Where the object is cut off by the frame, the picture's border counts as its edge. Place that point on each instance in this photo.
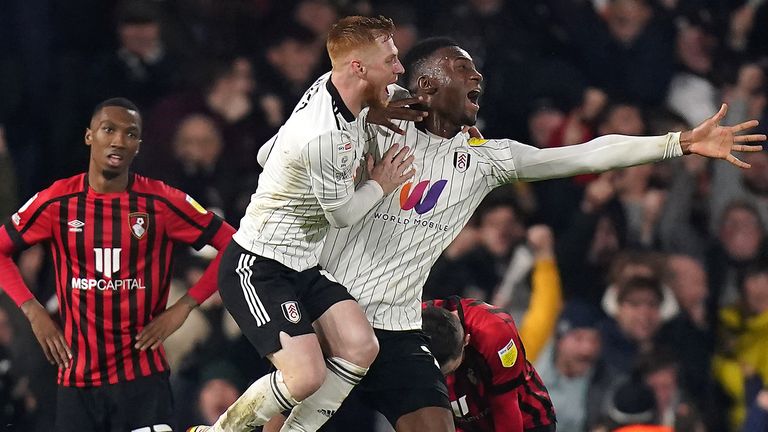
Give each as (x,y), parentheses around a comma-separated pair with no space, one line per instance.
(640,284)
(419,54)
(117,102)
(445,332)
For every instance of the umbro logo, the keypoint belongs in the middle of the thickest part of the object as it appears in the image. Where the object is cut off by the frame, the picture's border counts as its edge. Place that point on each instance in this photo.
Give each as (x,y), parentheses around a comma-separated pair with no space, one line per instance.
(76,225)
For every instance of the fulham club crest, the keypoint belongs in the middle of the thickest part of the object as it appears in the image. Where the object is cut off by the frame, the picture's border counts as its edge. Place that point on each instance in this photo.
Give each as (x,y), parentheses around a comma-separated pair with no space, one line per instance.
(291,311)
(139,224)
(461,160)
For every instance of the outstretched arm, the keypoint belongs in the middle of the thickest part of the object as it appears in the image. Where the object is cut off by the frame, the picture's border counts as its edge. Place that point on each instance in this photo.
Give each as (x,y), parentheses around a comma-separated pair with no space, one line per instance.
(709,139)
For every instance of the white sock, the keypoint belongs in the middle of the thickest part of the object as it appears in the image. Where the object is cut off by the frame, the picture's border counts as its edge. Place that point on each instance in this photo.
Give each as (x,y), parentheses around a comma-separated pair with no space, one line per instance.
(315,410)
(265,398)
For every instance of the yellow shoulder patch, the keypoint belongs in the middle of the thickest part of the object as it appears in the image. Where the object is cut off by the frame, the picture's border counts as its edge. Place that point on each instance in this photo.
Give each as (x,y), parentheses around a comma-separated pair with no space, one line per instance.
(508,354)
(196,205)
(476,142)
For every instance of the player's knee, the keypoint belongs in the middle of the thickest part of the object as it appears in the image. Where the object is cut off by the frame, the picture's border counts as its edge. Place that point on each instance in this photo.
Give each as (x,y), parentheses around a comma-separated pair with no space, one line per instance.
(362,349)
(303,382)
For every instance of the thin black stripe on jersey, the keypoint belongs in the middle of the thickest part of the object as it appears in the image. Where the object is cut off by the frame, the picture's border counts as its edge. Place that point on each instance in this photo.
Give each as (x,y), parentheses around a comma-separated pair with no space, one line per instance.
(112,255)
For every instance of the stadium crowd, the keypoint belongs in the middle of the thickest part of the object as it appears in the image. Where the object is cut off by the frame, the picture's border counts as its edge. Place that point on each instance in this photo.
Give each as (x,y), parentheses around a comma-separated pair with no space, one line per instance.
(640,292)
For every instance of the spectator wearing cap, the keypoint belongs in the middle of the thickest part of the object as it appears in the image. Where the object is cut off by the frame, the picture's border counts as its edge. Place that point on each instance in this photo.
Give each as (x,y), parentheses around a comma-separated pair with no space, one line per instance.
(572,369)
(632,408)
(634,327)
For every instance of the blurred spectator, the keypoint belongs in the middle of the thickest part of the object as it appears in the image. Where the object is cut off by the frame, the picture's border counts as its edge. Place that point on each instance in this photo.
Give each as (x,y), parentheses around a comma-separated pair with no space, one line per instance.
(318,16)
(292,63)
(502,234)
(757,413)
(743,344)
(689,332)
(141,68)
(218,390)
(660,371)
(226,98)
(449,276)
(627,50)
(597,232)
(406,29)
(538,315)
(631,408)
(632,264)
(633,330)
(740,244)
(692,93)
(17,404)
(8,193)
(577,379)
(199,169)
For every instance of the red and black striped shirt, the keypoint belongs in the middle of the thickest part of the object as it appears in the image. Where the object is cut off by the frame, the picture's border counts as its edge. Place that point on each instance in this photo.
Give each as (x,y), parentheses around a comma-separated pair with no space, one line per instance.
(112,255)
(495,388)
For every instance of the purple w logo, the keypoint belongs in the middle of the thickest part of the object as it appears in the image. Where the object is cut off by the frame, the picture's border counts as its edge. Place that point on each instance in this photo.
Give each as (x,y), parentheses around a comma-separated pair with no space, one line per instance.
(413,200)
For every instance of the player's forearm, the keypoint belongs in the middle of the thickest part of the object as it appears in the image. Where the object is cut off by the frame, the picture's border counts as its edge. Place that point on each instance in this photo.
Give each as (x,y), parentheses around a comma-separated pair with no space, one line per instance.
(505,409)
(353,210)
(207,285)
(12,282)
(598,155)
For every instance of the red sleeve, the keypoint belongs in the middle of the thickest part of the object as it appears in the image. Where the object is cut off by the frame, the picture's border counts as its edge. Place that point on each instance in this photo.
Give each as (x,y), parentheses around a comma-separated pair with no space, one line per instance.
(10,278)
(499,343)
(187,221)
(507,416)
(32,223)
(207,284)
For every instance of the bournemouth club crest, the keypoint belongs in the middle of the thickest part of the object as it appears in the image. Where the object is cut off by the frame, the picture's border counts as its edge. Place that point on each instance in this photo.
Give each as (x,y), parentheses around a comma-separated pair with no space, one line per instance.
(139,224)
(461,160)
(291,311)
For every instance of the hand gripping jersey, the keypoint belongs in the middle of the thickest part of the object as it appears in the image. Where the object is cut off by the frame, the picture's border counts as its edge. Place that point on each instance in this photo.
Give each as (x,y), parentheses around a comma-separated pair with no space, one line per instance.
(495,388)
(385,258)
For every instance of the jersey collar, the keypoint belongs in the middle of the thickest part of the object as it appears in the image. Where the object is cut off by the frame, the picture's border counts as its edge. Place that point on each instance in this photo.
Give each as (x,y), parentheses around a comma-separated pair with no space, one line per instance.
(338,102)
(131,179)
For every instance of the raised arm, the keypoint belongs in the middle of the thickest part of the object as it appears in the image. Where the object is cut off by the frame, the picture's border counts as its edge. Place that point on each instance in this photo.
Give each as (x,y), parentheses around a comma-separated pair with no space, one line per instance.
(709,139)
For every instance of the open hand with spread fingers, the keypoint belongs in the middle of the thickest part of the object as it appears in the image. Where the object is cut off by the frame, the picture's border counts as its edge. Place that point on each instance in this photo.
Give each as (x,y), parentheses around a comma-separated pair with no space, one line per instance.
(409,109)
(712,140)
(394,168)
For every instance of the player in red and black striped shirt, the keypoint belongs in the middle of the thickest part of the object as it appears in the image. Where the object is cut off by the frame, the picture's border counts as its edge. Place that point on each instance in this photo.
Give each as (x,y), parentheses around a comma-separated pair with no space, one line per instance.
(112,235)
(491,384)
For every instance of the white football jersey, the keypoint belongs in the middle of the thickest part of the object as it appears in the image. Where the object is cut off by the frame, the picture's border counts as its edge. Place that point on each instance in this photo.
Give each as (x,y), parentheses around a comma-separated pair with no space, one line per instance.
(309,168)
(385,259)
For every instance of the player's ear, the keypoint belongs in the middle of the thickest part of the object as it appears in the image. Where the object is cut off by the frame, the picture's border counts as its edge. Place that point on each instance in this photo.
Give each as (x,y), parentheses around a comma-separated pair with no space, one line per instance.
(88,136)
(466,339)
(426,85)
(357,68)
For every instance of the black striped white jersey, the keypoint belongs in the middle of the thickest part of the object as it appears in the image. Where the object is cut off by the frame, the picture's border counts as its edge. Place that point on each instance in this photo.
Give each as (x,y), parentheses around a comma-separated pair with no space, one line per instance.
(308,170)
(385,258)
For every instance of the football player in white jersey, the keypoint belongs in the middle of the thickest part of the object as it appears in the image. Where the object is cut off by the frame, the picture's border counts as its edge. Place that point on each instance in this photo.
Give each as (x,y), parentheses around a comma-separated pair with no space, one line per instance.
(385,258)
(269,277)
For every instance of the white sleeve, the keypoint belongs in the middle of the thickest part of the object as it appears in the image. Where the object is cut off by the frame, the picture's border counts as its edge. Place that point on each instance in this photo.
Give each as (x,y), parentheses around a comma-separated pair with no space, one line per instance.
(514,161)
(330,161)
(265,150)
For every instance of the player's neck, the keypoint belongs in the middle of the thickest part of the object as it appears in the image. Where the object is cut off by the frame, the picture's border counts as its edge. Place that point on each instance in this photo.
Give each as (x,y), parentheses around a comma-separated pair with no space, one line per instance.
(350,91)
(105,183)
(439,125)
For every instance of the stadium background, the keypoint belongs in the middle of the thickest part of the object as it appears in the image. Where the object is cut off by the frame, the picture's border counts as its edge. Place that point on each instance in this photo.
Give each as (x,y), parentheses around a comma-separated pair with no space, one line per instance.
(215,79)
